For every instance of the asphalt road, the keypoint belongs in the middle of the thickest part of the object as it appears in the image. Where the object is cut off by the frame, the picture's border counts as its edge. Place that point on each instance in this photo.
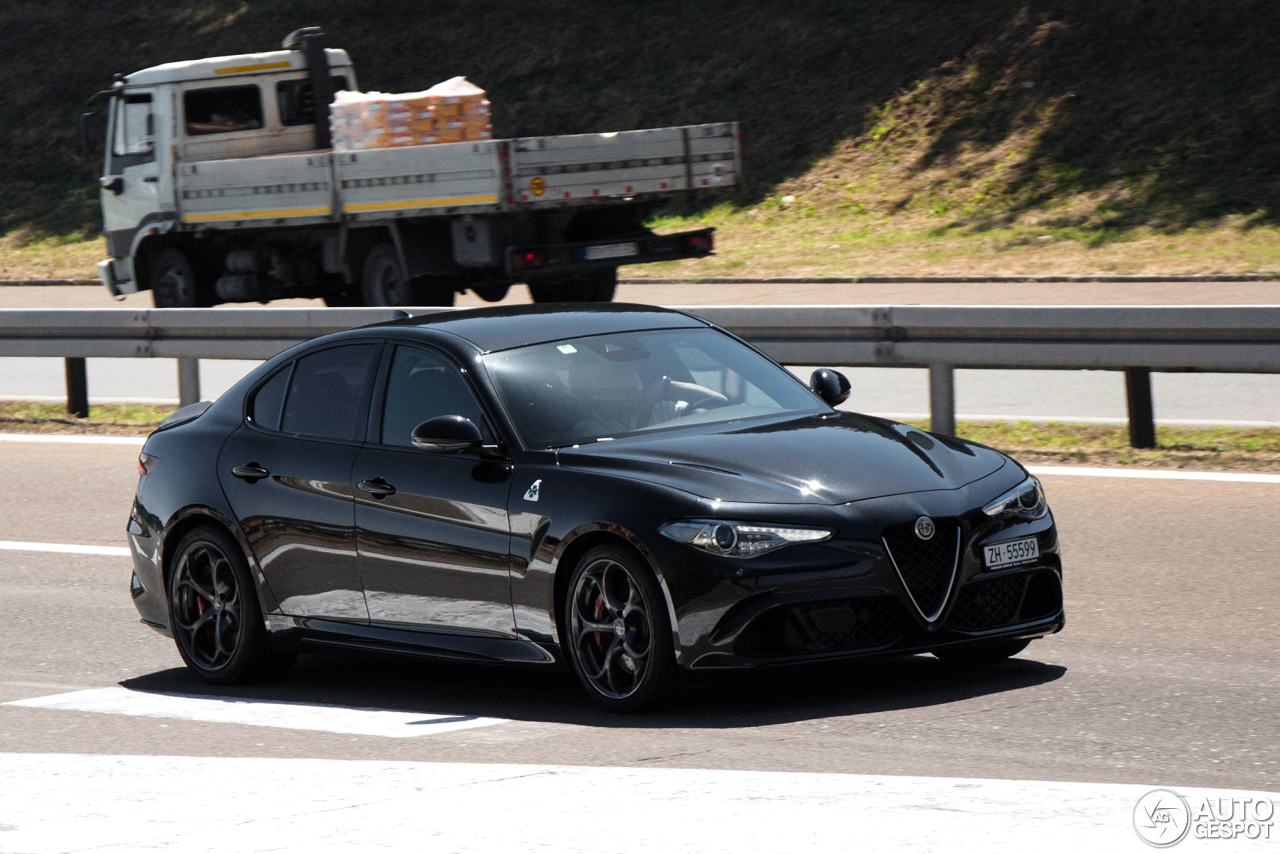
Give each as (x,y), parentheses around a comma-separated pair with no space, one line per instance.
(1166,673)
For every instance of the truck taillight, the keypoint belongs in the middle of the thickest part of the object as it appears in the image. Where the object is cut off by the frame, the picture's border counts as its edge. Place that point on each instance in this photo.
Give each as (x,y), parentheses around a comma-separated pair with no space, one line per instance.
(527,260)
(700,243)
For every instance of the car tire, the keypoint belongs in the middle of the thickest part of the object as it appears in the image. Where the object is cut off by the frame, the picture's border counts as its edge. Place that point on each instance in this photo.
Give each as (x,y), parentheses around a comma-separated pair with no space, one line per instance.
(211,577)
(630,666)
(599,286)
(988,652)
(178,283)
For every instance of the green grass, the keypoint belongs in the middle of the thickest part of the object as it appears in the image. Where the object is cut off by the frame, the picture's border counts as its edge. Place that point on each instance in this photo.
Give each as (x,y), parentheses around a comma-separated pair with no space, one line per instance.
(1108,444)
(1137,136)
(1090,444)
(26,416)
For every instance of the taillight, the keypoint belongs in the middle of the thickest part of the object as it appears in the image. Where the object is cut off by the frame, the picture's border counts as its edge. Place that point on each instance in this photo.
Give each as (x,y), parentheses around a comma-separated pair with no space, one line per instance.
(700,243)
(526,260)
(146,462)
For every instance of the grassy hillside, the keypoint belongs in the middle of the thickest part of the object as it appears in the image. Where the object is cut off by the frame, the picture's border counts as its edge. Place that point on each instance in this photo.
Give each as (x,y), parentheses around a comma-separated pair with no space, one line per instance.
(986,125)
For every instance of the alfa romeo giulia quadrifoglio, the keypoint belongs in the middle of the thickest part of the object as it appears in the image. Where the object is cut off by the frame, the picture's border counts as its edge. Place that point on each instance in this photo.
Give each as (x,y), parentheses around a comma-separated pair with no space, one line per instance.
(626,491)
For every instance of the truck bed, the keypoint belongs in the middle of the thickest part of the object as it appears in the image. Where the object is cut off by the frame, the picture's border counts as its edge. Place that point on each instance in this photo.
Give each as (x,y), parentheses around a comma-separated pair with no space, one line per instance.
(496,176)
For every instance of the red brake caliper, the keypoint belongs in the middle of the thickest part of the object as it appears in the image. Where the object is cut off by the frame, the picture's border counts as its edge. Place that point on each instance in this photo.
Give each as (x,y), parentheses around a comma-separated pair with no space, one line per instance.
(601,641)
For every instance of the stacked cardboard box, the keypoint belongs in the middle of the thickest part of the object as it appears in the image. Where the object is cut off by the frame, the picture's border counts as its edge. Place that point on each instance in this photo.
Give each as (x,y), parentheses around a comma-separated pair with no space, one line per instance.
(453,111)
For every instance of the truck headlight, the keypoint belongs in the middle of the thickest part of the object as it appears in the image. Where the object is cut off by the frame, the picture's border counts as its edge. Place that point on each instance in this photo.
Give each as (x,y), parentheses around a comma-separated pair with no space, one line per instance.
(1024,501)
(739,539)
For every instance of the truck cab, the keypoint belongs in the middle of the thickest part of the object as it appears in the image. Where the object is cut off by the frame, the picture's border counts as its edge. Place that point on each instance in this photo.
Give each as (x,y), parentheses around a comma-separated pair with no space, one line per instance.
(220,184)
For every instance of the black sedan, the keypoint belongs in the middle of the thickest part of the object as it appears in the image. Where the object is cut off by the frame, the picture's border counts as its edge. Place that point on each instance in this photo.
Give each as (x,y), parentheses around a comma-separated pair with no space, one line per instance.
(627,491)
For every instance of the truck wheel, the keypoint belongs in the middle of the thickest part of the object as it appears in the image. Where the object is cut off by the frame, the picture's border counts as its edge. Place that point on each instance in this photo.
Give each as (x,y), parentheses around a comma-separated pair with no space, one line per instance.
(175,282)
(491,292)
(597,287)
(380,279)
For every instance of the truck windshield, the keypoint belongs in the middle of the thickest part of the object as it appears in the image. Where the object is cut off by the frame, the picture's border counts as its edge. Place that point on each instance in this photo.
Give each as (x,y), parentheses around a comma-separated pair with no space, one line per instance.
(607,386)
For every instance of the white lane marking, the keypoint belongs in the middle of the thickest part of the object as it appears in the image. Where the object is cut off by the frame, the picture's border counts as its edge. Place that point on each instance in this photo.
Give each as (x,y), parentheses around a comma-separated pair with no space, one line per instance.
(64,548)
(72,439)
(1155,474)
(348,720)
(55,802)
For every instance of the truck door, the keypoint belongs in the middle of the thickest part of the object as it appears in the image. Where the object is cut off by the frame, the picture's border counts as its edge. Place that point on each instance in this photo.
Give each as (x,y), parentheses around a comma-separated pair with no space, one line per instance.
(130,187)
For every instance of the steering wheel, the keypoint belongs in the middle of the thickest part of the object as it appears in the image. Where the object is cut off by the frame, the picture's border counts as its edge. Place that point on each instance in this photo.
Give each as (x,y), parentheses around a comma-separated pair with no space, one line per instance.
(707,402)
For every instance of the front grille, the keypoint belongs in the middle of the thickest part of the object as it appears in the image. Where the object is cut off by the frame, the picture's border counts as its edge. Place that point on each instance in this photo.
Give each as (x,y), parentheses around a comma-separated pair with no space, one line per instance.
(1019,598)
(927,567)
(988,604)
(853,623)
(835,625)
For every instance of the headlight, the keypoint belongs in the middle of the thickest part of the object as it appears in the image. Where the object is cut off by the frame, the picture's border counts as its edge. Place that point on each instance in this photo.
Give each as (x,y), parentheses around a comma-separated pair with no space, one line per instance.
(1024,501)
(738,539)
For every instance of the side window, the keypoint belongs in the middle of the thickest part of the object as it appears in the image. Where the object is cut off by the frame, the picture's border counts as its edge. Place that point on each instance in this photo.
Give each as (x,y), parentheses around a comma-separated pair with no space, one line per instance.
(422,386)
(133,138)
(297,107)
(269,400)
(324,393)
(222,110)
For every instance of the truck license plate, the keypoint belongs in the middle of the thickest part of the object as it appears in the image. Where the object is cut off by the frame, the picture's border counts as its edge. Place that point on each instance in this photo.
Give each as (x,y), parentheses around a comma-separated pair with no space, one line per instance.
(1011,553)
(610,250)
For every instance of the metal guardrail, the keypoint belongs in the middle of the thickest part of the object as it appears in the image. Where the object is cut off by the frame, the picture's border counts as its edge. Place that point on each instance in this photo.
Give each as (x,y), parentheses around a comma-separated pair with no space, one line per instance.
(1133,339)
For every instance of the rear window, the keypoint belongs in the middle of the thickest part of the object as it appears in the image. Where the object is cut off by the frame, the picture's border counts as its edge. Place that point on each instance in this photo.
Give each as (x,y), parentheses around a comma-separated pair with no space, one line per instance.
(325,392)
(297,107)
(223,110)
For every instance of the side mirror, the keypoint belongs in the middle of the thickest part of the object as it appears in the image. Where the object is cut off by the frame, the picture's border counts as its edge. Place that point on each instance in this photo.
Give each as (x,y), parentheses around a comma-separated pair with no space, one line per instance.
(91,133)
(447,434)
(831,386)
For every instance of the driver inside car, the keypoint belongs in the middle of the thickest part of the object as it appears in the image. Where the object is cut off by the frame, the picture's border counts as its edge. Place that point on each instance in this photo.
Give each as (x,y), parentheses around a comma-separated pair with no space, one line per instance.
(621,402)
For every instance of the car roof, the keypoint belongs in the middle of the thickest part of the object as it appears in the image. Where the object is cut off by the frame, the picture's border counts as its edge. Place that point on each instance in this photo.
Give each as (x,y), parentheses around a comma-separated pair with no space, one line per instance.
(501,328)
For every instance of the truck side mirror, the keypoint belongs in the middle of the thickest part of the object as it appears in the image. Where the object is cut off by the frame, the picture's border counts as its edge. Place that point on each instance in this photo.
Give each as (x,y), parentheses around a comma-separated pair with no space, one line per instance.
(91,133)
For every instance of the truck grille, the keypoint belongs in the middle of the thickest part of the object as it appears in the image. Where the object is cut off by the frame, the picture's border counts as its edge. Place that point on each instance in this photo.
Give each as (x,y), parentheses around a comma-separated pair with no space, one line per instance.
(927,567)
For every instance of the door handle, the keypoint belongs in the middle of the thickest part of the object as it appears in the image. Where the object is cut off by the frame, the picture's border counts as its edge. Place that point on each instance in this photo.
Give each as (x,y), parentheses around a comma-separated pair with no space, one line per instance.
(252,473)
(377,487)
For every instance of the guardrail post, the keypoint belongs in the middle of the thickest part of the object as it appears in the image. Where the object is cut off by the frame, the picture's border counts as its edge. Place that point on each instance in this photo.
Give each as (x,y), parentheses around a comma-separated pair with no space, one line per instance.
(188,381)
(77,388)
(942,399)
(1142,414)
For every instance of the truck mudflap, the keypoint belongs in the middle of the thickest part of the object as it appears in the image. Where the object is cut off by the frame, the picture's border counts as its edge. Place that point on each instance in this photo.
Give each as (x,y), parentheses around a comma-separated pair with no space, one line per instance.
(559,260)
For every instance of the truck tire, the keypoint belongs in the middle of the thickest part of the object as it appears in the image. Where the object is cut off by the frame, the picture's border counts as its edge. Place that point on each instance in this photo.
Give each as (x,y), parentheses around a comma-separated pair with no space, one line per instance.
(381,282)
(177,283)
(596,287)
(431,290)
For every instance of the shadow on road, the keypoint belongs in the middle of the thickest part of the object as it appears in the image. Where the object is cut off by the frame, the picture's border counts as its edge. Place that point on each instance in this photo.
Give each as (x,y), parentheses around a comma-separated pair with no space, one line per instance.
(710,701)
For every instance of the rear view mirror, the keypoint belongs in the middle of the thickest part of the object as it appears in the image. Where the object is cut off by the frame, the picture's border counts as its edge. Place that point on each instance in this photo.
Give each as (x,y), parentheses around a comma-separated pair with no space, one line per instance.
(91,133)
(831,386)
(447,434)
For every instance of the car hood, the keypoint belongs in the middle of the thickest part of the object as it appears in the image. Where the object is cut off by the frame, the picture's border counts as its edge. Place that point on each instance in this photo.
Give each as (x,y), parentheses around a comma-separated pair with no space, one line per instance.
(817,459)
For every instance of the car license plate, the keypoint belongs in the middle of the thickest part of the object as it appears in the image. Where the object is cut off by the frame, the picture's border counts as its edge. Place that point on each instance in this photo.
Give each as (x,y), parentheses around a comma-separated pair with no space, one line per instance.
(1011,553)
(610,250)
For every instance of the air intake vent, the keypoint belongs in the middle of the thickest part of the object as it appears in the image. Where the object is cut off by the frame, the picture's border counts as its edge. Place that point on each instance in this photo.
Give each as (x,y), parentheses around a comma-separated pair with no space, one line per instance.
(927,567)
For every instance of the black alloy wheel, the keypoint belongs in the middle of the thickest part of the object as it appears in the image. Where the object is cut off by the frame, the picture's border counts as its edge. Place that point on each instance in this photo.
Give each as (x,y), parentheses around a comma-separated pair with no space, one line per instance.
(214,613)
(975,654)
(619,637)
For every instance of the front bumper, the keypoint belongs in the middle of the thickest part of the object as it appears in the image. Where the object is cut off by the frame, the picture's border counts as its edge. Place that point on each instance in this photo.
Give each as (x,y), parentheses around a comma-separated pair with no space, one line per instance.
(846,598)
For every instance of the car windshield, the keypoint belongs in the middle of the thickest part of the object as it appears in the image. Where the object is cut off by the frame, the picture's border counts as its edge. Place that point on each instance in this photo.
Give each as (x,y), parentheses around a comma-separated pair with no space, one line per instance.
(606,386)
